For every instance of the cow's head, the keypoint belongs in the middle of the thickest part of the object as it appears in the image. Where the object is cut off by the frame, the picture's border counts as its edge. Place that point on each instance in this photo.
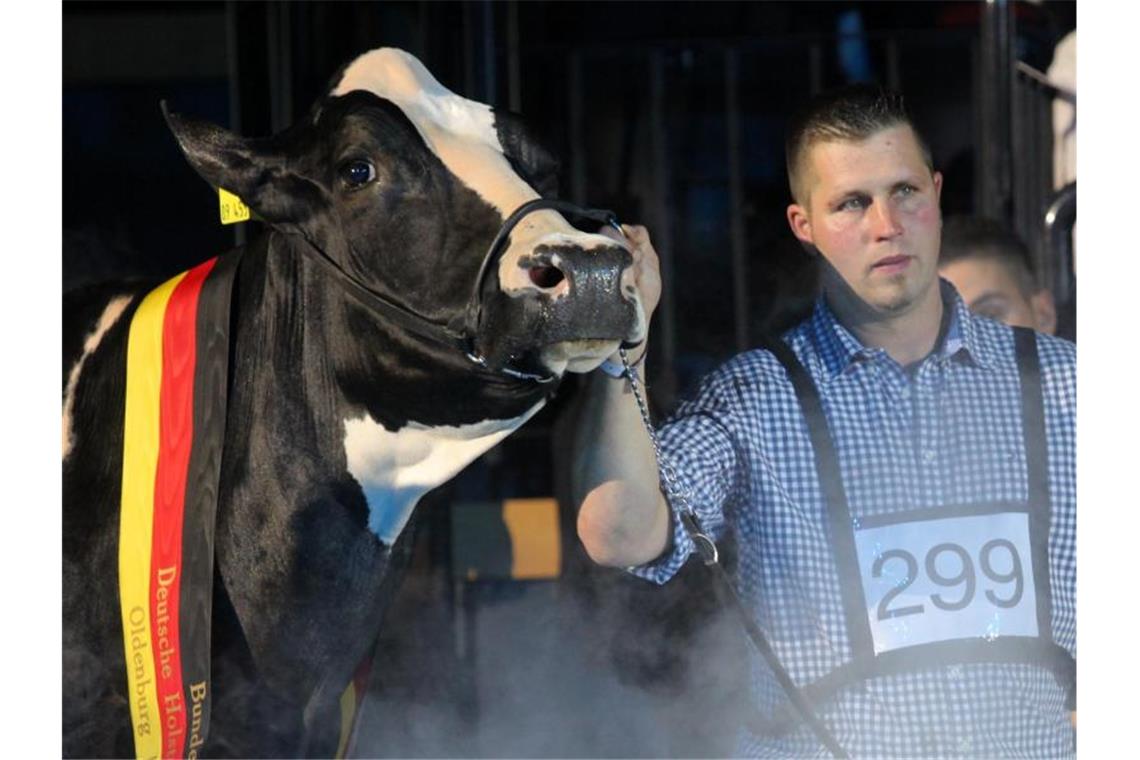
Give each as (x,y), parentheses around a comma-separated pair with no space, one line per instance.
(403,185)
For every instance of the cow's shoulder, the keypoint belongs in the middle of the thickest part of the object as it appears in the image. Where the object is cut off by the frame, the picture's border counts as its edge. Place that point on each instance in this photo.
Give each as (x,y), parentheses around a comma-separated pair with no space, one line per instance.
(96,322)
(96,325)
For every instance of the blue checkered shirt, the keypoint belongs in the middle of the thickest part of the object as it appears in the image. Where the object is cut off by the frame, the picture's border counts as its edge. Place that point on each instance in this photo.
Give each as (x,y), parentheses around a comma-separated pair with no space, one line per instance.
(946,432)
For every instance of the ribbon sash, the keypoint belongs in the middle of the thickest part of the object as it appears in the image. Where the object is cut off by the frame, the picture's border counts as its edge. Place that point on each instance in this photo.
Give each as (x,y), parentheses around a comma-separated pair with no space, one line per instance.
(177,364)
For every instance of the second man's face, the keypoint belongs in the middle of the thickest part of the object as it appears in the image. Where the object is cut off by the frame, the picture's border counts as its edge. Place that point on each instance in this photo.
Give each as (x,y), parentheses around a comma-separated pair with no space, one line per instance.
(990,288)
(872,212)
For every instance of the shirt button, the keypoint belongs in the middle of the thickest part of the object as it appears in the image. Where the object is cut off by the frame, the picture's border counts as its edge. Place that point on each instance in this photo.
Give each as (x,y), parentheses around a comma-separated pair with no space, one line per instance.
(928,456)
(965,745)
(955,672)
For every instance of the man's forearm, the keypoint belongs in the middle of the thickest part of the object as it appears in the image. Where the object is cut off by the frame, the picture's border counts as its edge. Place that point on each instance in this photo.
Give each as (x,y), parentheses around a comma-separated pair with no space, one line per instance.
(623,519)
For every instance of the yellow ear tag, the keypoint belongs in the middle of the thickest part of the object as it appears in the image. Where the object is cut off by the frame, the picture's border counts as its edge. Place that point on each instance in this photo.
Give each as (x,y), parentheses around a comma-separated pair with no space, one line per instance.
(231,207)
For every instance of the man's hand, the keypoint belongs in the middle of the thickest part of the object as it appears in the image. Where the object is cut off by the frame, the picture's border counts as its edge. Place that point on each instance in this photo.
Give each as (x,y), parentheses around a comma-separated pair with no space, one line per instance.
(647,274)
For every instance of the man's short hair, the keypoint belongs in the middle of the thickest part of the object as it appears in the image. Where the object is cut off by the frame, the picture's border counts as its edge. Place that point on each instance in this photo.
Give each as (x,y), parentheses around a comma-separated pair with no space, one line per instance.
(966,237)
(849,114)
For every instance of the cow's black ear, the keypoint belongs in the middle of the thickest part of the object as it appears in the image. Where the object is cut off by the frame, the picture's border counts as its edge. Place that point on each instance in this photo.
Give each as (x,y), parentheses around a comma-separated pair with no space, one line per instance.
(250,168)
(533,162)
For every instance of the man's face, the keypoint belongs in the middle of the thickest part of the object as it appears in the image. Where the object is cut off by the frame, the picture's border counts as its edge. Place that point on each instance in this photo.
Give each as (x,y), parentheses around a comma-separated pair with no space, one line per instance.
(872,212)
(989,288)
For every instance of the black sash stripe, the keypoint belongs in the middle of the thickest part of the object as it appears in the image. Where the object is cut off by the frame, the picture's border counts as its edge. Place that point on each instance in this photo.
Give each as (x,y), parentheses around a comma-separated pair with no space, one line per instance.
(209,417)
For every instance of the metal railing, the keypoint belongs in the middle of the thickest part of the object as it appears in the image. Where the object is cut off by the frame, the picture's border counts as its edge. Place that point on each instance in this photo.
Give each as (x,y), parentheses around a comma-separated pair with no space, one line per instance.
(1058,244)
(1042,215)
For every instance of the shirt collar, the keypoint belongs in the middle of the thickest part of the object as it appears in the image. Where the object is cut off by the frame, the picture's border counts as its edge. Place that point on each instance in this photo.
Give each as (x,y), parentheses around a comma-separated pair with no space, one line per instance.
(839,348)
(963,338)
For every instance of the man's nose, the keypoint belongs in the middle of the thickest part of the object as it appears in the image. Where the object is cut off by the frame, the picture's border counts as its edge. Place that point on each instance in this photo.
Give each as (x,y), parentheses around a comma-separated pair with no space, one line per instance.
(884,221)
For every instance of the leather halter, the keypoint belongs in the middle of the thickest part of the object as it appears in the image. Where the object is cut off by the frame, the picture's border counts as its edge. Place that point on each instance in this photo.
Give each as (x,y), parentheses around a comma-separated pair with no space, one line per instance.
(460,332)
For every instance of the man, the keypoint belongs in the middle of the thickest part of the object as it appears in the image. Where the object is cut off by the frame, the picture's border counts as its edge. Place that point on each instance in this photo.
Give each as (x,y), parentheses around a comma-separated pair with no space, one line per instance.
(990,268)
(907,547)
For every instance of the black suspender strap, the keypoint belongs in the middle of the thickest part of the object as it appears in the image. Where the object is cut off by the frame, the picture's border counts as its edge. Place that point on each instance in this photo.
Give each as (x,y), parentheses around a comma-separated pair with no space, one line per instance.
(1042,650)
(865,663)
(796,695)
(1037,470)
(835,498)
(706,548)
(1032,414)
(1030,651)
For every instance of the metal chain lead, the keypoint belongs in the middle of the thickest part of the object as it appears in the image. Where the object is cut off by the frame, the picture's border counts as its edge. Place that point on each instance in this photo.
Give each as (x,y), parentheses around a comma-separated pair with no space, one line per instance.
(670,483)
(677,497)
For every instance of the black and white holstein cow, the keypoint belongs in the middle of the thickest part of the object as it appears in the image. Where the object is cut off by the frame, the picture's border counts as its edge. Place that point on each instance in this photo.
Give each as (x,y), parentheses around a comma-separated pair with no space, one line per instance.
(349,394)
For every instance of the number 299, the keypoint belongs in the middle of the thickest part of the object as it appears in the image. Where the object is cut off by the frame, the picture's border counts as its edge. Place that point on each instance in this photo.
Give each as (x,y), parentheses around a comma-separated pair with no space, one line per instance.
(966,578)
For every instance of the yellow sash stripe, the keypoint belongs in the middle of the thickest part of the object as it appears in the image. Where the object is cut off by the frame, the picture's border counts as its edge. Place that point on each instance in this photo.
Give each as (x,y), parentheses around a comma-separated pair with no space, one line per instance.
(347,713)
(140,459)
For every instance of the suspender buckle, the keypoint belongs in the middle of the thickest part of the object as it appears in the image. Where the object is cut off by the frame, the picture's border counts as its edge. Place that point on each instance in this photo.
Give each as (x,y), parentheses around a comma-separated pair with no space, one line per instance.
(705,545)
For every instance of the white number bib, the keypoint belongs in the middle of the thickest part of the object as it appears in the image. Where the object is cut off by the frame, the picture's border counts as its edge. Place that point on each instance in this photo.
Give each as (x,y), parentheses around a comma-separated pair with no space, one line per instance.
(928,581)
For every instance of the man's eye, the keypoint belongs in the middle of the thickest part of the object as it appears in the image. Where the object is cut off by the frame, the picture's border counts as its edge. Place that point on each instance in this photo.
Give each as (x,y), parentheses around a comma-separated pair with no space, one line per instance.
(852,204)
(357,173)
(907,190)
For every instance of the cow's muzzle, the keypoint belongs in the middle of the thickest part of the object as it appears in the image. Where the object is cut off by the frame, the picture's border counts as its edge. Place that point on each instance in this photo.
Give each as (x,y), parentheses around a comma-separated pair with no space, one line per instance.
(592,280)
(577,307)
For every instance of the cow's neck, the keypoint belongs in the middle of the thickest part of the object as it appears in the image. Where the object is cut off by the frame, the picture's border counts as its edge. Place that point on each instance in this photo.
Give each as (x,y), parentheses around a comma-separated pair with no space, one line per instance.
(318,349)
(329,448)
(416,412)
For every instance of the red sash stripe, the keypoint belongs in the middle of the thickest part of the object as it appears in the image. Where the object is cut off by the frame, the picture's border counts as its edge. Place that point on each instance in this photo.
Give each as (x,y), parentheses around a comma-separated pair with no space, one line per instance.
(175,435)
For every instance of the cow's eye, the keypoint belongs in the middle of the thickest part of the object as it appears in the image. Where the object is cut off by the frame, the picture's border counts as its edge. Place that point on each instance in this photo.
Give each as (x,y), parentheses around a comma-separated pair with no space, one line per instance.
(357,173)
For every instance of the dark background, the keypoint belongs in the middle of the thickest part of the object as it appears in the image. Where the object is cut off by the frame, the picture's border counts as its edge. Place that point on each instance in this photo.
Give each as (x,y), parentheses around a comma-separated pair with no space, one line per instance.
(671,114)
(632,95)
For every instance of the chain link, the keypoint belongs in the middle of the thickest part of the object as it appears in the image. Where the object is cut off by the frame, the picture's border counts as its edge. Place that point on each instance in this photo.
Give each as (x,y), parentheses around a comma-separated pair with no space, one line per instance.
(675,495)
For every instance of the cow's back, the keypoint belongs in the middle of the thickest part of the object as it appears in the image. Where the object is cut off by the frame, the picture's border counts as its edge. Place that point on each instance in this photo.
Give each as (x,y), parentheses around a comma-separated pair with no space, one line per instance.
(96,321)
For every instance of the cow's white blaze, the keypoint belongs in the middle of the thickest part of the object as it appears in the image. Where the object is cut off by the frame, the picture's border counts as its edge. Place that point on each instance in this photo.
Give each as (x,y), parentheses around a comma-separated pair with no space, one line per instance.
(394,469)
(460,132)
(111,313)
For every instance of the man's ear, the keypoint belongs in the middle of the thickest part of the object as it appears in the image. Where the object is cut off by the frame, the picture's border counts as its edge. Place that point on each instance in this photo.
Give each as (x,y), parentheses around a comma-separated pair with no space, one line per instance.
(252,169)
(527,156)
(800,223)
(1044,311)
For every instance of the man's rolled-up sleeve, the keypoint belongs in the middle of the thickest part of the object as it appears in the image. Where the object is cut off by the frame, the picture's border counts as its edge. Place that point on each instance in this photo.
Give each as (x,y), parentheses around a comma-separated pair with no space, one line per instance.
(697,444)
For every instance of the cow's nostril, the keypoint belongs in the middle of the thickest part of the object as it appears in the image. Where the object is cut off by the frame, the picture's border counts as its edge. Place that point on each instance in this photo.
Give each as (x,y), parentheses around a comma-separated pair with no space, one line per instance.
(546,277)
